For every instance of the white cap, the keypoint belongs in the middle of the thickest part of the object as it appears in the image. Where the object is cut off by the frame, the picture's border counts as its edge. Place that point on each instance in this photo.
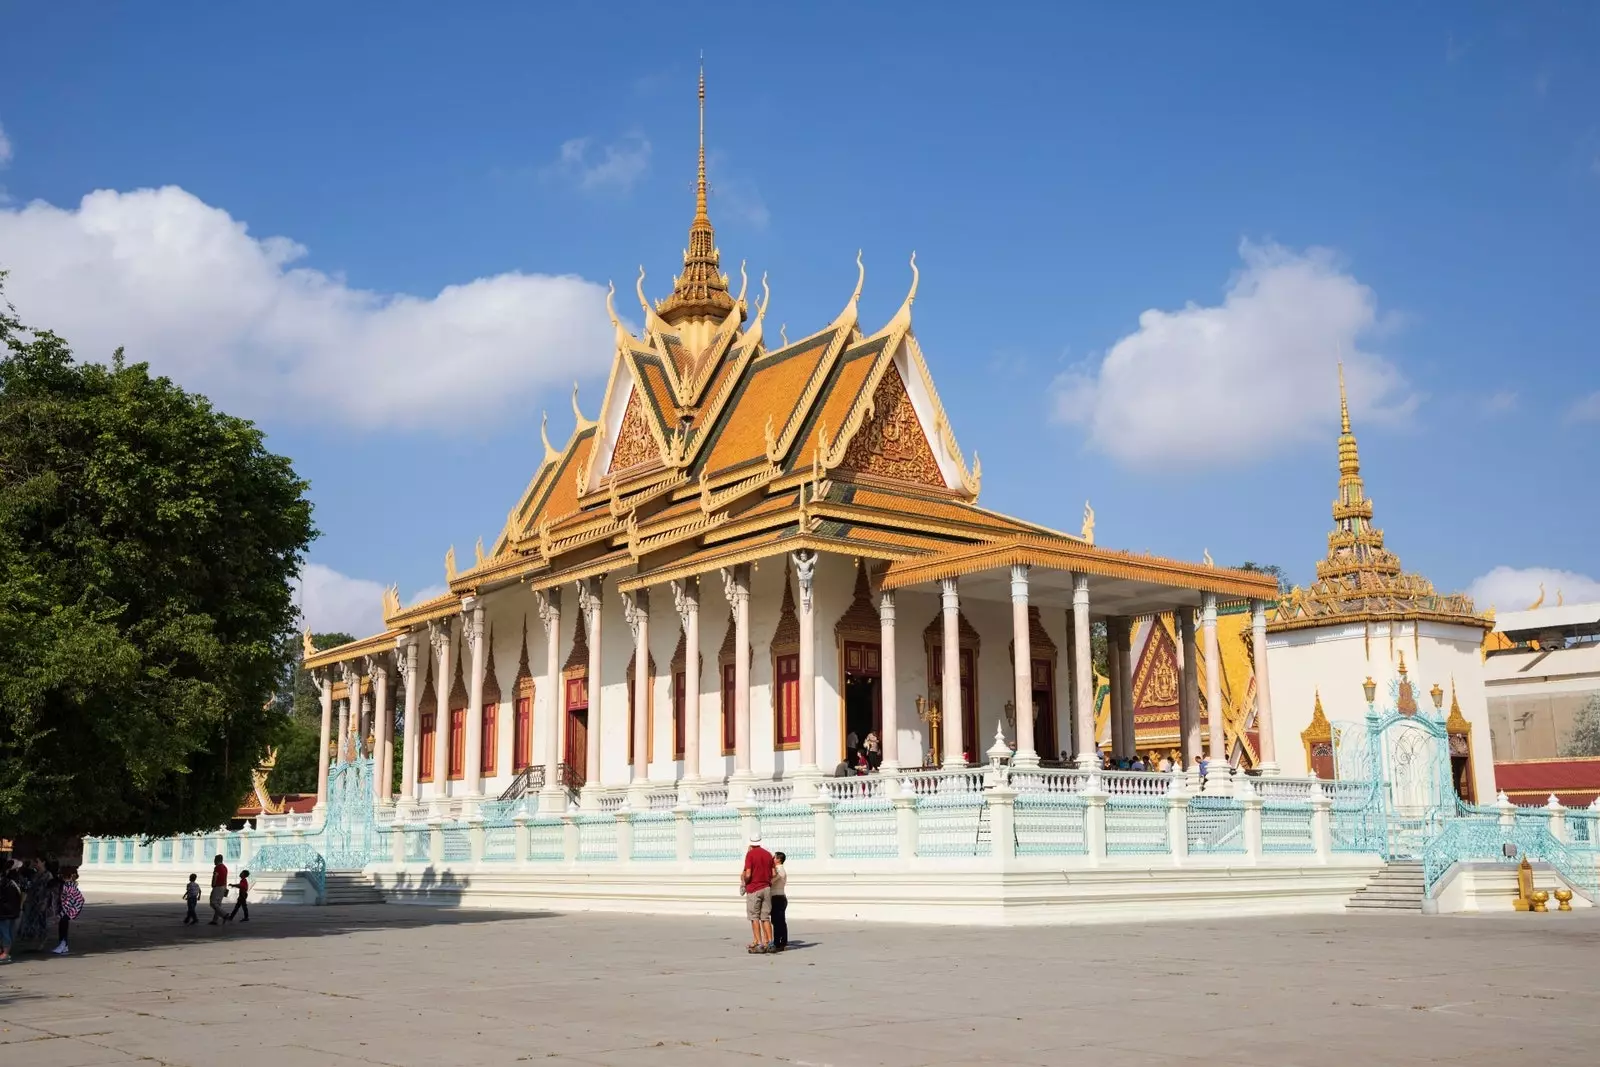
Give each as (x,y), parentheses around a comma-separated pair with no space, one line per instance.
(755,838)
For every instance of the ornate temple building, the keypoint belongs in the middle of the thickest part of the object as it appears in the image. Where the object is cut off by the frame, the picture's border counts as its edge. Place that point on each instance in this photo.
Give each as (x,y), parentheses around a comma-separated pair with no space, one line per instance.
(752,554)
(1366,622)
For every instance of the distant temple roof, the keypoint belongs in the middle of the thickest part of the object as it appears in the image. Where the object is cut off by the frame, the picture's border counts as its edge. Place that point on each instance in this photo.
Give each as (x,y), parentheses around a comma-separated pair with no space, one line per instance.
(1360,580)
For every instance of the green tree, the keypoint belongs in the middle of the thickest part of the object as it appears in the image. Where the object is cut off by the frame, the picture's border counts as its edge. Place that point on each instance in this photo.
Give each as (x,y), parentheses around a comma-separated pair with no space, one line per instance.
(1584,740)
(301,728)
(1268,568)
(147,548)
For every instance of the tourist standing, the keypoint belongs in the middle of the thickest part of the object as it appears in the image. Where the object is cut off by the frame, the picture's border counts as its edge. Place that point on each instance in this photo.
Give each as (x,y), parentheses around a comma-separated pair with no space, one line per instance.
(10,909)
(39,889)
(780,903)
(219,890)
(756,885)
(71,907)
(243,903)
(191,899)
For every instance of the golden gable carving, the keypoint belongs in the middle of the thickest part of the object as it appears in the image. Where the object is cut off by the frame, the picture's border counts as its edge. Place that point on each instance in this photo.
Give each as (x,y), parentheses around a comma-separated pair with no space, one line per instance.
(891,444)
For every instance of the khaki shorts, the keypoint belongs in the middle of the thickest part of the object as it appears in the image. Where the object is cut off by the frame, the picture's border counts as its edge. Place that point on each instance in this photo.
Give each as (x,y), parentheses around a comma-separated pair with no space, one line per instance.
(758,905)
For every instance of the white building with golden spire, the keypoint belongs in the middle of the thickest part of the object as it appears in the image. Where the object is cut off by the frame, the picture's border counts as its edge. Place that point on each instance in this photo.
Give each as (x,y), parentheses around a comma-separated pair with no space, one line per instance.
(1365,619)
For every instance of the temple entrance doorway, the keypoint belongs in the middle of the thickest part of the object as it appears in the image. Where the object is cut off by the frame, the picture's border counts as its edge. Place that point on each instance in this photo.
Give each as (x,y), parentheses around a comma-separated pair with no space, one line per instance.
(575,756)
(1044,710)
(863,699)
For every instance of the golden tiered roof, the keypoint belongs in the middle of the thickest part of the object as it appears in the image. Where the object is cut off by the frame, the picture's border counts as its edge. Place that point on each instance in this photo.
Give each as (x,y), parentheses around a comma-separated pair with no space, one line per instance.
(702,288)
(1359,579)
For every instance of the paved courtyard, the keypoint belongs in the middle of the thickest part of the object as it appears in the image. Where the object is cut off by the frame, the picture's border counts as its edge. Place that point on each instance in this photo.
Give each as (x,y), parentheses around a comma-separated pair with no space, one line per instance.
(393,985)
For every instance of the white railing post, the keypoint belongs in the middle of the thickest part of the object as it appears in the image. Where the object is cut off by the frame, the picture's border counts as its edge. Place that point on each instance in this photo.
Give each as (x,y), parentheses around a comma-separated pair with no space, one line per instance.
(1508,811)
(1178,822)
(569,836)
(436,841)
(1321,823)
(521,837)
(475,835)
(1002,801)
(749,819)
(624,835)
(822,811)
(1557,815)
(1094,821)
(683,823)
(397,844)
(905,823)
(1251,801)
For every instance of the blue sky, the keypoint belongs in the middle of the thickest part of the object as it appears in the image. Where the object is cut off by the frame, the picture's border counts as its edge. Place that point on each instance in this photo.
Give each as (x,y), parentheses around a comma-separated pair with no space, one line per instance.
(1146,232)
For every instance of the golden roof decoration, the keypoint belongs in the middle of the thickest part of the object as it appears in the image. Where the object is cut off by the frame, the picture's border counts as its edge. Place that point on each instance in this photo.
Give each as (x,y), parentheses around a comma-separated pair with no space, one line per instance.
(1457,723)
(307,645)
(1539,601)
(1087,532)
(702,288)
(1320,729)
(450,564)
(1360,579)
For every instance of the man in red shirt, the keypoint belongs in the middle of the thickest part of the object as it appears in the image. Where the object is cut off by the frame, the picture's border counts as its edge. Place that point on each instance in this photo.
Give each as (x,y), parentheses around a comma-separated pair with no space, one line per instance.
(219,889)
(756,885)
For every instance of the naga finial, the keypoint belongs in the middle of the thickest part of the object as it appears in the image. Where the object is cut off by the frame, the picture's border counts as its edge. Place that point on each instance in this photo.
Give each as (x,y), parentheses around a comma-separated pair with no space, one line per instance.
(744,283)
(902,318)
(849,312)
(550,452)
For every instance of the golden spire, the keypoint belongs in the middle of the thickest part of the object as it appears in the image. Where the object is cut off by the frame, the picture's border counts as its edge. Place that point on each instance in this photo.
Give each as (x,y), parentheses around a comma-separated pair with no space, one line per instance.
(702,289)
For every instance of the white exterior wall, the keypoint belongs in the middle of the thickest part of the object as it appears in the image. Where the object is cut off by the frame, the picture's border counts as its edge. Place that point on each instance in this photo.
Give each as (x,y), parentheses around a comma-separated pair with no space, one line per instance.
(1335,660)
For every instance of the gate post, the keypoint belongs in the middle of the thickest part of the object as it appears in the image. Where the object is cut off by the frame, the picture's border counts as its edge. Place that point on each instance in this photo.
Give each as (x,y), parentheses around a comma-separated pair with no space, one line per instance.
(1556,814)
(1094,820)
(436,841)
(624,835)
(1178,821)
(475,836)
(521,839)
(1250,800)
(1321,823)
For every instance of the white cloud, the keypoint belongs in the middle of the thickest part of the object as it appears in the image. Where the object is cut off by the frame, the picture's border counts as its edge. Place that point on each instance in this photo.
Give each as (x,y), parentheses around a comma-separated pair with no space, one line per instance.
(1585,409)
(615,166)
(184,286)
(1233,381)
(332,602)
(1515,588)
(1500,402)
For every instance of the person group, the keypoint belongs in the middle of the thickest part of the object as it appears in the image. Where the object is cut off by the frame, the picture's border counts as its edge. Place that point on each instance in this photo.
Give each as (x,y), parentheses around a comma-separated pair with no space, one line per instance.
(33,895)
(219,895)
(764,883)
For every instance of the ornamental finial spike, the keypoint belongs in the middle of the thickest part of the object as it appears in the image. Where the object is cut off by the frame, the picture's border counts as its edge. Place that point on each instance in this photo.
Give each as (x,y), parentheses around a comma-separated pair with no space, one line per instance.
(1344,403)
(902,318)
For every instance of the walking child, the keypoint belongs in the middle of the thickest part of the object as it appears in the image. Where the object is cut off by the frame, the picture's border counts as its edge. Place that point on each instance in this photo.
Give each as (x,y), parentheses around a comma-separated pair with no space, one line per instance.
(780,903)
(191,898)
(71,907)
(243,903)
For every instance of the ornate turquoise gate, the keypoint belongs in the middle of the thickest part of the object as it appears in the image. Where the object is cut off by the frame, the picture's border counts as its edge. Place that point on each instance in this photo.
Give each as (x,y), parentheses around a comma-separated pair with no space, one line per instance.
(1405,754)
(350,837)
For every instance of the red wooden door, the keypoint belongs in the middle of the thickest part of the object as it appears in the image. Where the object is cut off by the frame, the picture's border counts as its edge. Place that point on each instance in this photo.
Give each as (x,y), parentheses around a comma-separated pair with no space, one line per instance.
(727,709)
(576,756)
(679,685)
(458,742)
(428,729)
(522,735)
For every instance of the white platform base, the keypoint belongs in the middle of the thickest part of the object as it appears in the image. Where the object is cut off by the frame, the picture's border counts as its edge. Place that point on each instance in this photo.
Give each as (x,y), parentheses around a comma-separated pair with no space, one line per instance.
(1491,888)
(267,887)
(953,892)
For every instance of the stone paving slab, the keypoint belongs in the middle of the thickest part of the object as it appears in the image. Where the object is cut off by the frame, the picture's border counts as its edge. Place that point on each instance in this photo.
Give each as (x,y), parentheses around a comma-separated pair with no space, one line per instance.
(403,986)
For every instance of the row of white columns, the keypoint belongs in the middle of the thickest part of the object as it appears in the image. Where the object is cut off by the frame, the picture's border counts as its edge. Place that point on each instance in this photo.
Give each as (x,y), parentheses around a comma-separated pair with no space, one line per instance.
(736,586)
(358,714)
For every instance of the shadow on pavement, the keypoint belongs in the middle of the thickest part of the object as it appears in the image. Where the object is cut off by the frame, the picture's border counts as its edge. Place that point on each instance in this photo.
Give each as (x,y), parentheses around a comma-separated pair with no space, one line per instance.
(134,926)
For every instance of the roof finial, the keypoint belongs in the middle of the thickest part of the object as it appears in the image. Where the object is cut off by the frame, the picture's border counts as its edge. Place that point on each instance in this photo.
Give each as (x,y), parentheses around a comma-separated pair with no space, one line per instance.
(1344,404)
(700,178)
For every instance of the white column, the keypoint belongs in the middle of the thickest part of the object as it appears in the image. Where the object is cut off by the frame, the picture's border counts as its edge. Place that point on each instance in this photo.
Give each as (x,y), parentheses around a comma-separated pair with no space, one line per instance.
(1217,766)
(439,636)
(592,591)
(472,633)
(365,718)
(325,683)
(886,682)
(1189,700)
(382,728)
(636,610)
(552,796)
(1022,656)
(686,598)
(349,709)
(736,584)
(1083,673)
(805,568)
(950,695)
(409,654)
(1258,635)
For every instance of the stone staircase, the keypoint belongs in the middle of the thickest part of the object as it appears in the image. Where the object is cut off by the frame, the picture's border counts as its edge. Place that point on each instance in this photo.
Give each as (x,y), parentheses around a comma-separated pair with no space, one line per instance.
(350,887)
(1397,886)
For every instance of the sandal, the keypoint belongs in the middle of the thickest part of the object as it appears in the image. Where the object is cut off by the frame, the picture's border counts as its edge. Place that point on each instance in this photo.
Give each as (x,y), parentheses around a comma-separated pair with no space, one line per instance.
(757,950)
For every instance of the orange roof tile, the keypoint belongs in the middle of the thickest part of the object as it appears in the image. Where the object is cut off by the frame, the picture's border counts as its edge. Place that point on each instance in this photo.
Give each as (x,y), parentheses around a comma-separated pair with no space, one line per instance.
(771,388)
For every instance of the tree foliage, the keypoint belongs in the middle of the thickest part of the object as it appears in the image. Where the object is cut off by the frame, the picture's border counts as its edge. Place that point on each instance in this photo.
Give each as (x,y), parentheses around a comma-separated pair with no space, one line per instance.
(1268,568)
(296,768)
(1584,740)
(147,548)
